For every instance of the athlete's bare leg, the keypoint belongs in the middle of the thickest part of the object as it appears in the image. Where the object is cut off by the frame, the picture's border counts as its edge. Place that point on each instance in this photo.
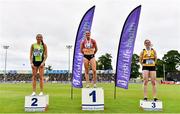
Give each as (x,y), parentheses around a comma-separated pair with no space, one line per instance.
(146,78)
(93,65)
(86,66)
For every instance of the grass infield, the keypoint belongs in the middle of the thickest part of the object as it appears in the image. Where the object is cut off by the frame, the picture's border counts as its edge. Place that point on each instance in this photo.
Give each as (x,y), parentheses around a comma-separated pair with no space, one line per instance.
(127,101)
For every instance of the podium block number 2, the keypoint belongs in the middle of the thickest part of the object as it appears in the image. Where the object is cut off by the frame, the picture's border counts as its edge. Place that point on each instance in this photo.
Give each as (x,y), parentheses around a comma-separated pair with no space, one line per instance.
(93,94)
(34,102)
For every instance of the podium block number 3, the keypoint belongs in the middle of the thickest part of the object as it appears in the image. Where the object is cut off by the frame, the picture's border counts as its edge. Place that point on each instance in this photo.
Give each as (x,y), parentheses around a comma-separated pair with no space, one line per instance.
(34,102)
(93,94)
(153,105)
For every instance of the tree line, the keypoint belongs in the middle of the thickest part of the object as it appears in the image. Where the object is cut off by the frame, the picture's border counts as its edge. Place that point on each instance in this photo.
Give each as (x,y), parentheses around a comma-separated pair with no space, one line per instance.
(170,61)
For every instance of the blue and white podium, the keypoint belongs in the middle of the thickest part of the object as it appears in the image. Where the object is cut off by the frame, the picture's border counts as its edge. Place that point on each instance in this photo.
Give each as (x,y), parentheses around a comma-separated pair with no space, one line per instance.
(92,99)
(36,103)
(151,105)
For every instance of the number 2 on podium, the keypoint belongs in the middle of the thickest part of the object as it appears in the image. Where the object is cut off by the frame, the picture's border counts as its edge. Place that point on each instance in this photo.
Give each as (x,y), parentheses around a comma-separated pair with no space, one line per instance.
(34,102)
(93,94)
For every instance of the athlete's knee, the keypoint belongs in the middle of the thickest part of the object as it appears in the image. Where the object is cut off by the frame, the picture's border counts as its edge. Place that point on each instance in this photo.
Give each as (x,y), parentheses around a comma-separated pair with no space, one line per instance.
(34,77)
(94,71)
(41,78)
(86,72)
(153,82)
(145,82)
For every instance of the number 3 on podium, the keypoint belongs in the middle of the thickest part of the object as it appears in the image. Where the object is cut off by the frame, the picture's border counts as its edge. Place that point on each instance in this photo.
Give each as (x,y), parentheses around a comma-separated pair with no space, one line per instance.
(153,105)
(93,94)
(34,102)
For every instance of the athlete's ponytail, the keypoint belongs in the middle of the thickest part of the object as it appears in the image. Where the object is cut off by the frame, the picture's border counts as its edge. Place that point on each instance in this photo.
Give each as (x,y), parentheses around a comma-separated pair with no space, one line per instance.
(42,42)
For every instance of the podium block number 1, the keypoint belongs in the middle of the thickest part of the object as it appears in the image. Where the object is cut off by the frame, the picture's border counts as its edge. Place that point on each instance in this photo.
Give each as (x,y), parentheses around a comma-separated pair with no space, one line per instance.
(92,99)
(34,102)
(93,94)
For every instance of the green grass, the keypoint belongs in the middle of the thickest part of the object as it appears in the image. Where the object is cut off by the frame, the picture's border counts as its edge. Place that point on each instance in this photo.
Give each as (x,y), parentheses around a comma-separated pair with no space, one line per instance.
(127,101)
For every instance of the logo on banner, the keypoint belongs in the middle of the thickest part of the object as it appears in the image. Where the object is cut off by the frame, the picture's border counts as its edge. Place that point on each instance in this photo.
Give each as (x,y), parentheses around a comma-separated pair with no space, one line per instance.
(76,82)
(122,82)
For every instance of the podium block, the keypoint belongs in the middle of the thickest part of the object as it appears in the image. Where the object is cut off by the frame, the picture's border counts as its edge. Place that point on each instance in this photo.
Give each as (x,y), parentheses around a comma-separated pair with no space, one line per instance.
(36,103)
(92,99)
(151,105)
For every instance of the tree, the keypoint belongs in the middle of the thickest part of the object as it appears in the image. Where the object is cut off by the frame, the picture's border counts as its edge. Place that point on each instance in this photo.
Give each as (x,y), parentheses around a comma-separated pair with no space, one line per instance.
(48,68)
(159,68)
(135,66)
(178,66)
(104,62)
(171,59)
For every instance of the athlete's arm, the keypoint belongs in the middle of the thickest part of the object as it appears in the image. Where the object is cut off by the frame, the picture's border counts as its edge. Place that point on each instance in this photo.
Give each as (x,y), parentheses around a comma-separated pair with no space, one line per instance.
(141,58)
(96,49)
(81,48)
(45,54)
(155,56)
(31,54)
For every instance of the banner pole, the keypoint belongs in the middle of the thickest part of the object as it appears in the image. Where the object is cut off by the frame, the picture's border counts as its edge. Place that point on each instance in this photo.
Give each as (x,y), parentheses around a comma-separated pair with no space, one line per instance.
(71,91)
(71,86)
(114,91)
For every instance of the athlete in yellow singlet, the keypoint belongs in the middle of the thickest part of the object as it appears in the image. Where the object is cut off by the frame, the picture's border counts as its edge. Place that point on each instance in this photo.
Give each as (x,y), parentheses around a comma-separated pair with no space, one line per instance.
(148,59)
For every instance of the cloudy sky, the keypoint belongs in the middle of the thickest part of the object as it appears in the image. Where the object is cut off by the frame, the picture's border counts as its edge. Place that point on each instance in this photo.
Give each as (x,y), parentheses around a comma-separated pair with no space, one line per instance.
(58,20)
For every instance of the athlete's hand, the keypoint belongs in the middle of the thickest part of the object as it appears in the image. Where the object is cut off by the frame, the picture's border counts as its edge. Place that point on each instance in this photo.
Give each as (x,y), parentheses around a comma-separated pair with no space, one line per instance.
(42,64)
(88,51)
(32,65)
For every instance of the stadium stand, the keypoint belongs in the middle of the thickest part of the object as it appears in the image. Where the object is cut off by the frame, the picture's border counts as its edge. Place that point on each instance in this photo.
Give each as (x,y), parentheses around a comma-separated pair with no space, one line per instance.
(54,75)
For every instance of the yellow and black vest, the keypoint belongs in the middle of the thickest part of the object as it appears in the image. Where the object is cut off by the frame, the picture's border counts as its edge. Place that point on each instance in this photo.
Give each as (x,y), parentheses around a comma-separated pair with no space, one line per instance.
(148,57)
